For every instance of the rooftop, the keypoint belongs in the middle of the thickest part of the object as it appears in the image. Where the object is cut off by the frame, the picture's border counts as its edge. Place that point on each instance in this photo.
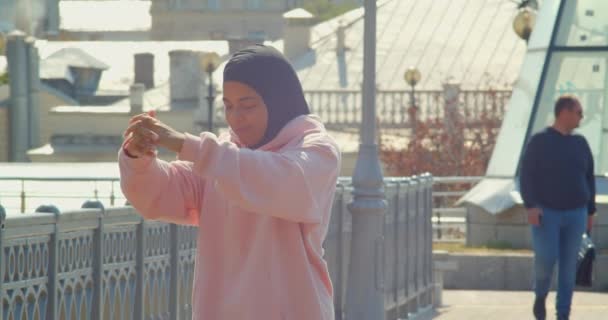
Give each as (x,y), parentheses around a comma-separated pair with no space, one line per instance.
(467,41)
(118,56)
(126,15)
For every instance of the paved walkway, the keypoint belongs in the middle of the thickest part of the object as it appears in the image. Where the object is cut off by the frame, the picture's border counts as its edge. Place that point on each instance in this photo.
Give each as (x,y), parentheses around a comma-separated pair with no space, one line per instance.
(515,305)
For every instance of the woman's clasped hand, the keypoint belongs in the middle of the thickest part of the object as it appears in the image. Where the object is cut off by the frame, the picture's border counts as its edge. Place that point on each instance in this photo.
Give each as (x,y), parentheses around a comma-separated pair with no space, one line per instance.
(145,133)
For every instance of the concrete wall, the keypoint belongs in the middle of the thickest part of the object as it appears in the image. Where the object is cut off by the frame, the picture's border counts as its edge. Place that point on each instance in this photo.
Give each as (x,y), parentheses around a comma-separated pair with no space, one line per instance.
(48,101)
(107,123)
(66,35)
(506,272)
(193,25)
(511,227)
(76,121)
(4,134)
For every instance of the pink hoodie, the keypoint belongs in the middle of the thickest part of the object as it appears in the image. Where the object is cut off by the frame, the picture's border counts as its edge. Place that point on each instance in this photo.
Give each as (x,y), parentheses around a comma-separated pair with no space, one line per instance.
(262,216)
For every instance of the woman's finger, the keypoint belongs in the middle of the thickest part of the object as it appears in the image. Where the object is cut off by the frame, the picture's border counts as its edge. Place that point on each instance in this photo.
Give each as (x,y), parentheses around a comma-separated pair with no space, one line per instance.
(147,134)
(136,118)
(130,129)
(132,147)
(139,127)
(153,136)
(139,117)
(141,144)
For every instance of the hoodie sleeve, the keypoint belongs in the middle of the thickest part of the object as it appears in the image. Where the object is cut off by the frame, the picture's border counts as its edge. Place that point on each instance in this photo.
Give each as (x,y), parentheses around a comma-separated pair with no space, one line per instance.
(160,190)
(285,184)
(590,179)
(528,180)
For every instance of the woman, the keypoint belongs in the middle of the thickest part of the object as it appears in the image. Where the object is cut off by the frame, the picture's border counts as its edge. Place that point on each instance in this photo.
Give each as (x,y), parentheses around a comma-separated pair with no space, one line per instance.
(260,195)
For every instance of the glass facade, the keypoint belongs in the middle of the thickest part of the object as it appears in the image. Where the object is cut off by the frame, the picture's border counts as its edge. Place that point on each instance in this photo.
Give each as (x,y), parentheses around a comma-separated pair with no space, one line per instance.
(218,5)
(568,54)
(584,75)
(583,23)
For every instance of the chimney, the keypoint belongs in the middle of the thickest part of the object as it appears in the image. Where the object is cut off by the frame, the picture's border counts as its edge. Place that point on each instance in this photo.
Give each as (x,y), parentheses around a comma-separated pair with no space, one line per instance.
(136,98)
(236,44)
(185,75)
(296,35)
(52,18)
(340,38)
(18,115)
(144,69)
(33,88)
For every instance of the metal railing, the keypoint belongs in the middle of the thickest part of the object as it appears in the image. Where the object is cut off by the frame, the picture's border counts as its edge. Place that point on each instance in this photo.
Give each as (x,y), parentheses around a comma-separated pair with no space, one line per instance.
(27,194)
(449,221)
(110,264)
(342,108)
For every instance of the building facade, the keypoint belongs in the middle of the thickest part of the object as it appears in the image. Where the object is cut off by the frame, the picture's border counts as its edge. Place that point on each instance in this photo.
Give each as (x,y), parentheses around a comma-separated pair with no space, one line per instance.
(222,19)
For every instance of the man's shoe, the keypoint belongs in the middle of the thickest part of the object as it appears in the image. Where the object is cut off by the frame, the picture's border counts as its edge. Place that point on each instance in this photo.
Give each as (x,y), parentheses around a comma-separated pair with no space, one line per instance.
(540,313)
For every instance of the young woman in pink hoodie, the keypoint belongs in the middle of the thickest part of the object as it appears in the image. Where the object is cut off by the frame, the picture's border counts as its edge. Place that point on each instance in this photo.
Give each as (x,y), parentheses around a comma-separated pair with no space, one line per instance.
(260,195)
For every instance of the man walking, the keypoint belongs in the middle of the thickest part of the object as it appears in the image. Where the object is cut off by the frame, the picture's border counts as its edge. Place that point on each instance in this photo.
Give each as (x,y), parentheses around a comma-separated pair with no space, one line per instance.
(558,188)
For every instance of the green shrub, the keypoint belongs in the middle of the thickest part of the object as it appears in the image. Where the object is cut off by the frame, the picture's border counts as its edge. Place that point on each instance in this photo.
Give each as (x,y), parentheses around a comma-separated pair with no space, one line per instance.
(500,245)
(4,79)
(325,9)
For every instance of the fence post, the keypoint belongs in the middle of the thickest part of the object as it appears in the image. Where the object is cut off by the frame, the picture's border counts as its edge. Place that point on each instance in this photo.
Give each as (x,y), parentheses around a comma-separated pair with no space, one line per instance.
(98,255)
(22,196)
(174,267)
(422,241)
(2,219)
(416,242)
(429,203)
(340,238)
(428,238)
(53,262)
(406,243)
(396,245)
(140,270)
(402,311)
(112,195)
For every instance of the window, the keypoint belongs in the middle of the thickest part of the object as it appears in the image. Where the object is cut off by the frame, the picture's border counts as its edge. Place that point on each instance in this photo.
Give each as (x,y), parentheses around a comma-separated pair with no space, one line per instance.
(584,23)
(253,4)
(213,5)
(584,75)
(575,61)
(577,64)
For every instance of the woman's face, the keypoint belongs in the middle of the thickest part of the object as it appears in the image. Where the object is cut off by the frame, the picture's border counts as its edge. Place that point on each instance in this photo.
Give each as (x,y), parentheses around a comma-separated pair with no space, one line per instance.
(246,113)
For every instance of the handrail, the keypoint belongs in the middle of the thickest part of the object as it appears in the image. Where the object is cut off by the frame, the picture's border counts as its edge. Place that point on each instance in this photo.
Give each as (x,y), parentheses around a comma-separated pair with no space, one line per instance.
(448,220)
(108,263)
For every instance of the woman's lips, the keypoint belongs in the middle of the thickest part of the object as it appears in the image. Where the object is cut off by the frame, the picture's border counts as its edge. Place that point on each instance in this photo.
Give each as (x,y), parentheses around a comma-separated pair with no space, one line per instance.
(241,131)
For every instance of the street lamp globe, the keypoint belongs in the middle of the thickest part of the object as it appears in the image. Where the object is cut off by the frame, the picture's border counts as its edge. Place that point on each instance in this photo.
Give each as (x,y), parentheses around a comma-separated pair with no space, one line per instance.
(412,76)
(210,61)
(524,23)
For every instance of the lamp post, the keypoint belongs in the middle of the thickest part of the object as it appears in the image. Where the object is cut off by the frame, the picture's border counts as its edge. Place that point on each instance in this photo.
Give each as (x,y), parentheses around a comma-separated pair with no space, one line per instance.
(2,43)
(412,76)
(365,294)
(209,62)
(524,22)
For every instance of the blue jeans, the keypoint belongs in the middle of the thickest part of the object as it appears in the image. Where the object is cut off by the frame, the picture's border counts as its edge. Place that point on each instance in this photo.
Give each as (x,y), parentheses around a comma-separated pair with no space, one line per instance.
(558,239)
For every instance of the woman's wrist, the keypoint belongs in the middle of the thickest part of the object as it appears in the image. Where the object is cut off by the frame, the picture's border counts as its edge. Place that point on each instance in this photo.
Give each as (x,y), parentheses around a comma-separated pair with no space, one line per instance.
(176,141)
(129,154)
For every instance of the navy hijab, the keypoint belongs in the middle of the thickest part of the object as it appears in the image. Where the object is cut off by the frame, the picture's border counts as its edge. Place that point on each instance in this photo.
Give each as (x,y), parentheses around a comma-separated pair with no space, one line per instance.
(268,72)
